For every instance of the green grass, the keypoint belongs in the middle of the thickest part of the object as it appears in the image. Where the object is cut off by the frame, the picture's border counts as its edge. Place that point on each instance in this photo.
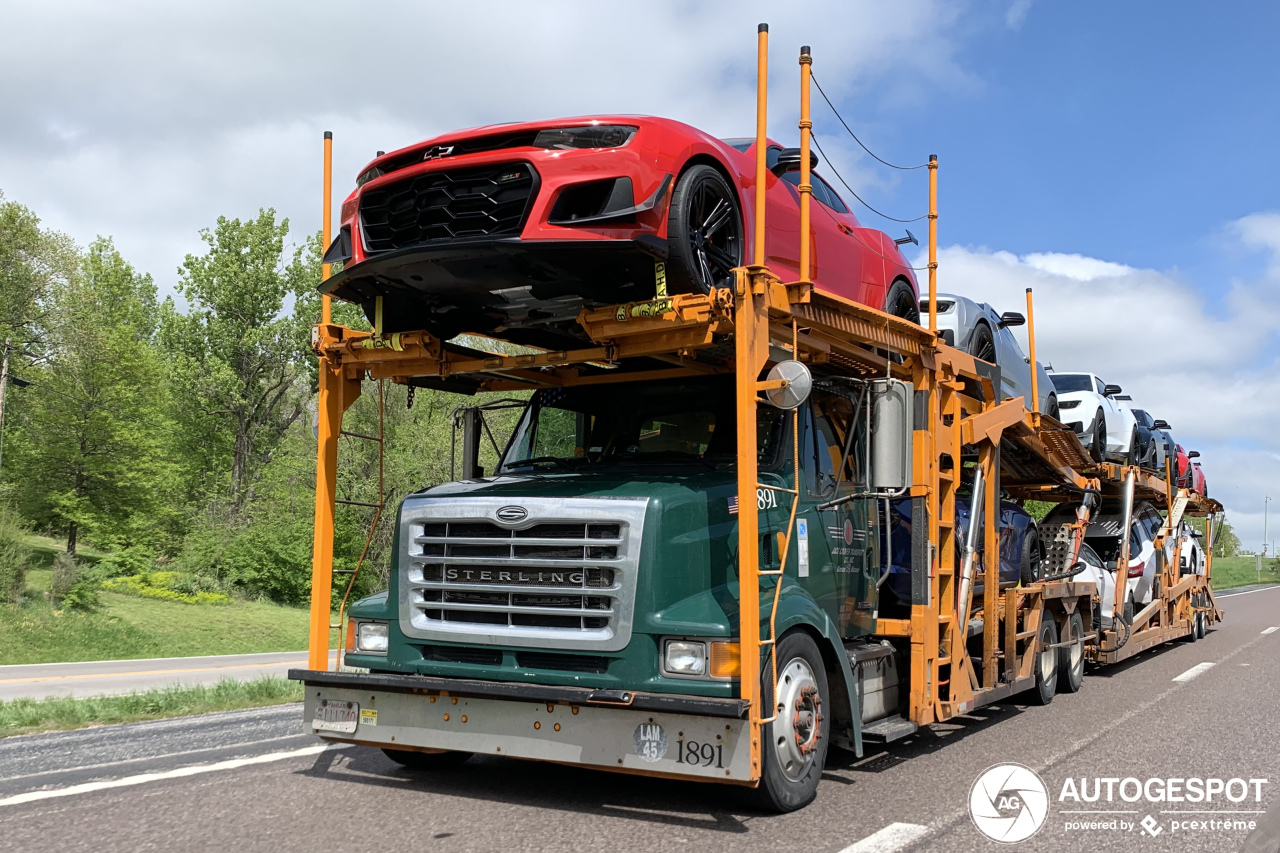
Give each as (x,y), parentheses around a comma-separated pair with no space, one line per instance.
(23,716)
(129,627)
(43,550)
(1229,572)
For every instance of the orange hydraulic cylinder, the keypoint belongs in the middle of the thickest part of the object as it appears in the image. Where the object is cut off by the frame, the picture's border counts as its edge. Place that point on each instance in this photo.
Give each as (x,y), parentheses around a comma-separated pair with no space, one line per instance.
(806,188)
(933,242)
(326,225)
(762,96)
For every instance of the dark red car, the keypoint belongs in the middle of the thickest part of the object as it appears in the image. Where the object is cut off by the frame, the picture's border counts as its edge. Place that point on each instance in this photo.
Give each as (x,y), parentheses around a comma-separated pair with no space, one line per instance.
(525,224)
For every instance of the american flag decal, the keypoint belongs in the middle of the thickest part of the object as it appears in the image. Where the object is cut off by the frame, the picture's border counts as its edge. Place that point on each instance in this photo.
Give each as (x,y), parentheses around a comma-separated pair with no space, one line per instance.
(733,505)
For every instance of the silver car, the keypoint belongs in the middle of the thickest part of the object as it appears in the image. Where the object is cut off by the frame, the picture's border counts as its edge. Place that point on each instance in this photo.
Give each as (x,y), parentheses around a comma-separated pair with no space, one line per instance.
(977,329)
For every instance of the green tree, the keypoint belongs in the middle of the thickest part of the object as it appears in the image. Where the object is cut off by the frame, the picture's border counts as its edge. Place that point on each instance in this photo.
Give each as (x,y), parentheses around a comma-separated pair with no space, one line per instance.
(239,360)
(32,260)
(91,442)
(1226,543)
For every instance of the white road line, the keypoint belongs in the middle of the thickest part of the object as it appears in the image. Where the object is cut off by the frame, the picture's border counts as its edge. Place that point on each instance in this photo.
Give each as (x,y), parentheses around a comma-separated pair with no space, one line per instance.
(893,837)
(1271,630)
(1230,594)
(142,778)
(1194,671)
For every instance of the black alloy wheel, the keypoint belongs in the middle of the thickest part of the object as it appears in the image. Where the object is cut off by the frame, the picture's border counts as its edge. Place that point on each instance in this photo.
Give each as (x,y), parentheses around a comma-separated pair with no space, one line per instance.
(1098,446)
(983,344)
(902,302)
(704,232)
(1032,569)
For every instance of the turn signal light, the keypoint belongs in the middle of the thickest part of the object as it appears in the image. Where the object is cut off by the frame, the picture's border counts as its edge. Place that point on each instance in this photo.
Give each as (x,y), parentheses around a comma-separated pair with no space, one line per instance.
(726,660)
(351,635)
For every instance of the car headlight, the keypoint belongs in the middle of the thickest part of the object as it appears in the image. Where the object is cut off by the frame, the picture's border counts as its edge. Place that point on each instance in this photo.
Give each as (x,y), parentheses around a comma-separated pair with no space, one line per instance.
(371,637)
(591,136)
(686,657)
(368,175)
(1068,404)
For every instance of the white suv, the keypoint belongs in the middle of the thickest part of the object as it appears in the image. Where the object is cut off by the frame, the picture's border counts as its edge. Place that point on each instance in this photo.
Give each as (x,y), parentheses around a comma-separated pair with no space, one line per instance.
(1104,425)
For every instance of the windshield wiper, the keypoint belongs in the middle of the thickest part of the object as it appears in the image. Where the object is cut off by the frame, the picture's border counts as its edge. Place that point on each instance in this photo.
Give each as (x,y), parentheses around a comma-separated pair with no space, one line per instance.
(534,460)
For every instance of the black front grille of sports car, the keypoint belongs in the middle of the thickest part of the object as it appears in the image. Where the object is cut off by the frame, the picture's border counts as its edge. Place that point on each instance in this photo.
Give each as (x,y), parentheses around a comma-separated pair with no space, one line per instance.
(452,204)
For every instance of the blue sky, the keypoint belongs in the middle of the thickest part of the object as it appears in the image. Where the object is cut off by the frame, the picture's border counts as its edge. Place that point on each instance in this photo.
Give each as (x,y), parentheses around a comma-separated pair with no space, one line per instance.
(1119,157)
(1127,131)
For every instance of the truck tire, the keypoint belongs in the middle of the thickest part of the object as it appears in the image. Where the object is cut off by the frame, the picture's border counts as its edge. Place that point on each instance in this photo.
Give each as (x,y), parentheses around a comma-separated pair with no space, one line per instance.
(414,760)
(795,743)
(1046,665)
(704,232)
(1071,658)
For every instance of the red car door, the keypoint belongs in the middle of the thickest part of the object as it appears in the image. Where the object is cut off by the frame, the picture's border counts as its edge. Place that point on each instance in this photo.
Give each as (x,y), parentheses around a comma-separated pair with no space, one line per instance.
(841,262)
(782,221)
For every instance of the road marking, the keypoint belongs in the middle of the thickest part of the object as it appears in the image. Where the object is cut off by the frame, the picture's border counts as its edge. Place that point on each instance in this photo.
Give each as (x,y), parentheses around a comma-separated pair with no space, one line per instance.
(1229,594)
(1270,630)
(893,837)
(143,778)
(1194,671)
(184,754)
(147,672)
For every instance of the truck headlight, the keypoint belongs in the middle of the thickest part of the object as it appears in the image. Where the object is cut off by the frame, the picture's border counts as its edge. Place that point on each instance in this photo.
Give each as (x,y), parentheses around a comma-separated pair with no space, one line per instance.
(371,637)
(686,657)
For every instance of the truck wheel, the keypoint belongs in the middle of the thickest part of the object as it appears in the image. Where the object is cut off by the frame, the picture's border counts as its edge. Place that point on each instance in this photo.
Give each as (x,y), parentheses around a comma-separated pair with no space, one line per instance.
(1046,663)
(704,232)
(795,743)
(1202,623)
(414,760)
(1071,658)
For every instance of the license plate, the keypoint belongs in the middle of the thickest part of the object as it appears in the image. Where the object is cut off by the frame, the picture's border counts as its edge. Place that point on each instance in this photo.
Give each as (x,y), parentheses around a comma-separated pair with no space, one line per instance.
(336,717)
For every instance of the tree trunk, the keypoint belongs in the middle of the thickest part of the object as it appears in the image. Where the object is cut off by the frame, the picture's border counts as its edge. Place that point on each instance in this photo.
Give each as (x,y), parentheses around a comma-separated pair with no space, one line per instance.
(71,538)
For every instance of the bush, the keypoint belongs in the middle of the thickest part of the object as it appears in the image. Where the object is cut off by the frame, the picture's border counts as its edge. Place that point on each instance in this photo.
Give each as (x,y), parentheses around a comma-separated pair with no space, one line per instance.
(14,556)
(66,571)
(168,586)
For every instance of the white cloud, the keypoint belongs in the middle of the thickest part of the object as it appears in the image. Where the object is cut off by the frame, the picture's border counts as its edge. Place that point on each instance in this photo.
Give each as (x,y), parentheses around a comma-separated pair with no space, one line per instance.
(1017,13)
(1206,365)
(147,119)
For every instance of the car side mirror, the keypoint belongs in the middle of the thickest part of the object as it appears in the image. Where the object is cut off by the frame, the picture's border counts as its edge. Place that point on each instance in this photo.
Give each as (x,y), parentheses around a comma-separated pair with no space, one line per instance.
(789,161)
(1012,318)
(1195,454)
(1161,425)
(1111,390)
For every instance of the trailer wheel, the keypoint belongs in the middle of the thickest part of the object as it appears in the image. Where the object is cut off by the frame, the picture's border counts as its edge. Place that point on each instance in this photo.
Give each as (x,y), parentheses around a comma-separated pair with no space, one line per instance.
(795,743)
(704,232)
(1201,626)
(1032,558)
(1046,663)
(414,760)
(1071,658)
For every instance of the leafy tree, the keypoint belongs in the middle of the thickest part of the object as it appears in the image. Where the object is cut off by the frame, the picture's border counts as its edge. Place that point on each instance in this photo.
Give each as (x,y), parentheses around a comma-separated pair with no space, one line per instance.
(1226,543)
(32,260)
(239,360)
(90,441)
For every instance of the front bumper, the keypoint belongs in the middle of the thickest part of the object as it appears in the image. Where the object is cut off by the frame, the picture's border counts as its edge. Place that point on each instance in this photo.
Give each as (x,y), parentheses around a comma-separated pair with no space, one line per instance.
(647,733)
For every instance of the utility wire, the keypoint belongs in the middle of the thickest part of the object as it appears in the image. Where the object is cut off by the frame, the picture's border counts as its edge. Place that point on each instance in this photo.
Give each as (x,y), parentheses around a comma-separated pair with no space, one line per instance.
(855,136)
(830,165)
(854,234)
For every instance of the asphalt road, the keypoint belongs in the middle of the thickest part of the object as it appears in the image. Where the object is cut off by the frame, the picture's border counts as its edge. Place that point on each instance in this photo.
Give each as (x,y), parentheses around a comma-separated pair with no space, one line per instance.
(98,678)
(247,781)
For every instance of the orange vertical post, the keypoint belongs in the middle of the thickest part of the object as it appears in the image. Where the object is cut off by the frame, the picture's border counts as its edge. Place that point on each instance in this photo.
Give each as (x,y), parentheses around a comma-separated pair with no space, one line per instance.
(806,187)
(933,242)
(1035,368)
(329,425)
(762,96)
(326,226)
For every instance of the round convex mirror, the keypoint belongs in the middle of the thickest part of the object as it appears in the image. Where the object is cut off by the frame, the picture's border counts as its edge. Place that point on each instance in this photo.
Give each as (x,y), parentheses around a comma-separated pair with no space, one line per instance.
(796,391)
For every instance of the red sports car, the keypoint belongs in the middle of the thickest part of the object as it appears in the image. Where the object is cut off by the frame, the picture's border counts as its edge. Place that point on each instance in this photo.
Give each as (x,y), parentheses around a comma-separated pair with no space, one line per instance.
(522,225)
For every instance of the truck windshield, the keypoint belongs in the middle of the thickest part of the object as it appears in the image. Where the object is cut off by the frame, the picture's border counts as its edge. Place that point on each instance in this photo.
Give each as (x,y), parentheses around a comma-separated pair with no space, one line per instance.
(1066,383)
(688,423)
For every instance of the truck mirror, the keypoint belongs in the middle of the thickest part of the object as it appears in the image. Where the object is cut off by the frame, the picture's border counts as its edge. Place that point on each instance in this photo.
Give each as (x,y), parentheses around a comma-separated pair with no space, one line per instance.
(798,382)
(892,423)
(471,428)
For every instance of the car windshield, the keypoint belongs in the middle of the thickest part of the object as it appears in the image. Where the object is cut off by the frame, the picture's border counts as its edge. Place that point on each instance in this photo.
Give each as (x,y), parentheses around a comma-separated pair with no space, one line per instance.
(1066,383)
(683,423)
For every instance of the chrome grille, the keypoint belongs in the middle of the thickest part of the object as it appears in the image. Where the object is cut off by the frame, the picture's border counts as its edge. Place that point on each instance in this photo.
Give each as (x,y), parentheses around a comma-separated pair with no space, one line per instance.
(562,577)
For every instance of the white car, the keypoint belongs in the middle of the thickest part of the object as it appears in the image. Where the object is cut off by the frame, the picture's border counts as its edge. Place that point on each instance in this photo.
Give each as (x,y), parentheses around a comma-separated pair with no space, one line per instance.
(976,328)
(1101,551)
(1192,555)
(1105,425)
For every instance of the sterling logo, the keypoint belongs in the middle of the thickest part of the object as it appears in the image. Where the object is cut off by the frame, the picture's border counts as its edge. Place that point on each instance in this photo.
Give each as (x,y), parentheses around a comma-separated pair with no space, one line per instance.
(512,514)
(1009,803)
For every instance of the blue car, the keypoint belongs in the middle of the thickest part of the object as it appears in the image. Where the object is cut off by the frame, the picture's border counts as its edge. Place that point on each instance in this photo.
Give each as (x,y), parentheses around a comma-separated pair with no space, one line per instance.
(1020,553)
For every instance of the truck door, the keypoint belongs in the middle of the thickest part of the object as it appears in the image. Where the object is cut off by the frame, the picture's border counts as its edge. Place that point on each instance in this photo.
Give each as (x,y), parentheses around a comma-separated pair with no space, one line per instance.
(842,537)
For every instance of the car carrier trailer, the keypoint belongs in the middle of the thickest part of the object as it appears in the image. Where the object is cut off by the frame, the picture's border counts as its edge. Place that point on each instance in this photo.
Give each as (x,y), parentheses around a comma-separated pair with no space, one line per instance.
(724,625)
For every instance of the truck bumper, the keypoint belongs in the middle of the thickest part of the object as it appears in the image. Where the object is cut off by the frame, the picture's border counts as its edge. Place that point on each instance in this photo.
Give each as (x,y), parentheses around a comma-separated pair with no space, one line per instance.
(654,734)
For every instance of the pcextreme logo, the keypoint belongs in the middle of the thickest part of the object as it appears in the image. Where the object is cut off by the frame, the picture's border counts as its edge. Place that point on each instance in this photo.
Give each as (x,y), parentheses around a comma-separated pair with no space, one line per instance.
(1009,803)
